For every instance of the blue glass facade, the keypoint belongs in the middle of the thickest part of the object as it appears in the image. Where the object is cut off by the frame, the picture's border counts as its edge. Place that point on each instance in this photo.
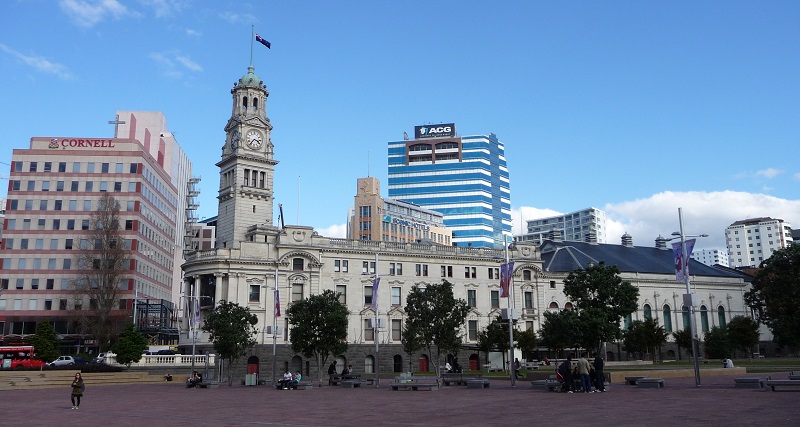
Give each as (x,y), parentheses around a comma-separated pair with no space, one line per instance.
(470,187)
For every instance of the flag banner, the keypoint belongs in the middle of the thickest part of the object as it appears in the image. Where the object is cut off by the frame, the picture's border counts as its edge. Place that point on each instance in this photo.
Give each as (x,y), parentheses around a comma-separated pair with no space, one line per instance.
(506,271)
(681,261)
(262,41)
(196,316)
(277,303)
(375,293)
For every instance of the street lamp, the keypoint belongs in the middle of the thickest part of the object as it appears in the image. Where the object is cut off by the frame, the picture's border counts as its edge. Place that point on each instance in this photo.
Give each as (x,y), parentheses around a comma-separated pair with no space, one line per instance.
(275,313)
(688,299)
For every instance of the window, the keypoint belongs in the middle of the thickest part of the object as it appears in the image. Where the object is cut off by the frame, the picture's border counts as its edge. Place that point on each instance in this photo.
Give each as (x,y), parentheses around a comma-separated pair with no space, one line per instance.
(552,284)
(421,269)
(49,283)
(70,224)
(32,185)
(526,275)
(626,323)
(103,186)
(397,328)
(73,186)
(686,318)
(648,315)
(344,265)
(104,168)
(118,168)
(129,224)
(369,332)
(297,264)
(391,269)
(20,284)
(33,167)
(528,299)
(342,291)
(84,224)
(40,224)
(495,298)
(721,316)
(62,304)
(368,267)
(337,265)
(472,298)
(472,330)
(704,315)
(76,167)
(57,205)
(43,205)
(89,186)
(48,304)
(62,166)
(667,320)
(34,283)
(73,205)
(297,291)
(87,205)
(494,273)
(255,290)
(395,296)
(367,295)
(133,168)
(131,187)
(399,269)
(53,244)
(38,244)
(67,264)
(15,185)
(59,185)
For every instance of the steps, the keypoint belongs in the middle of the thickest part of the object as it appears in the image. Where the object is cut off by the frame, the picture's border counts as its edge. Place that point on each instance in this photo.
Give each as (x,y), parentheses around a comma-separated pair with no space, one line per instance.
(23,380)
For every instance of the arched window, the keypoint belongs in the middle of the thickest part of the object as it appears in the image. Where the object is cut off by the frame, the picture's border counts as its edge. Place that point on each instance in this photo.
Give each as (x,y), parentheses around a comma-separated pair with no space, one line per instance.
(627,322)
(568,306)
(704,318)
(721,316)
(667,319)
(648,314)
(369,364)
(244,102)
(397,363)
(255,103)
(553,305)
(686,319)
(296,364)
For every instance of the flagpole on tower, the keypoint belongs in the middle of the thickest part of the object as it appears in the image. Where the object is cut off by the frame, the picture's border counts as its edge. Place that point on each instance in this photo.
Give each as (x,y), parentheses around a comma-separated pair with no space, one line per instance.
(252,37)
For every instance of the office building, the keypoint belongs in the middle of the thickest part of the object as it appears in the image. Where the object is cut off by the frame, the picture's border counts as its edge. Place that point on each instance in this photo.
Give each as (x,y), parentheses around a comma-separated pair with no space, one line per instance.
(753,240)
(711,256)
(55,185)
(463,177)
(389,220)
(587,225)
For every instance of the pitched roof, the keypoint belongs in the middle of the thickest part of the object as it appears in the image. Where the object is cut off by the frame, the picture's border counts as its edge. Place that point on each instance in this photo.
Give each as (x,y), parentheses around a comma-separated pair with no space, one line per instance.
(569,256)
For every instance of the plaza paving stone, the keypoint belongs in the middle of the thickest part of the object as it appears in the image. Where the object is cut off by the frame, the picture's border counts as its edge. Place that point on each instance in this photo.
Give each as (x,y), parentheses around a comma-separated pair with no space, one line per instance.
(715,403)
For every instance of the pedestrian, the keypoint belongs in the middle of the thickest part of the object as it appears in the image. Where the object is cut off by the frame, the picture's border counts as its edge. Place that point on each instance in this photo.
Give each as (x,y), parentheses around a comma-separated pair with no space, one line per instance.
(517,367)
(565,369)
(331,372)
(583,371)
(600,380)
(77,390)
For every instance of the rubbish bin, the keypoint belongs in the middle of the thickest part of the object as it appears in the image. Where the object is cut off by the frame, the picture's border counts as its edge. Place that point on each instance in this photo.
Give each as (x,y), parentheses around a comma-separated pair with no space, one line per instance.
(251,379)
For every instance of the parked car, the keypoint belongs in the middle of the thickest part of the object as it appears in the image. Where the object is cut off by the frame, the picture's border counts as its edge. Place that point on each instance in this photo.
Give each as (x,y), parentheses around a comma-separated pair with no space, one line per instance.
(68,361)
(104,357)
(166,352)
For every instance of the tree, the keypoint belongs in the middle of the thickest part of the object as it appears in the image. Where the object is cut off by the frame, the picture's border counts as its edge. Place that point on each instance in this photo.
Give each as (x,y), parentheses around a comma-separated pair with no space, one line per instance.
(434,318)
(559,330)
(102,272)
(130,346)
(717,343)
(232,331)
(319,327)
(776,295)
(45,342)
(527,342)
(494,337)
(743,333)
(683,339)
(602,298)
(644,336)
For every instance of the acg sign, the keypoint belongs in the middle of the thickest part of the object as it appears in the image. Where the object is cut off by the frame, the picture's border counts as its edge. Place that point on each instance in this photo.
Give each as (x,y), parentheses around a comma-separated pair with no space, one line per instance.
(435,131)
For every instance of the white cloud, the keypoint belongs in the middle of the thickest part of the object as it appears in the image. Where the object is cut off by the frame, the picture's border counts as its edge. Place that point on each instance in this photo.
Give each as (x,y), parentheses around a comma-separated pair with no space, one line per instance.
(40,63)
(519,217)
(174,63)
(88,13)
(769,173)
(163,8)
(188,63)
(193,33)
(237,18)
(338,231)
(797,176)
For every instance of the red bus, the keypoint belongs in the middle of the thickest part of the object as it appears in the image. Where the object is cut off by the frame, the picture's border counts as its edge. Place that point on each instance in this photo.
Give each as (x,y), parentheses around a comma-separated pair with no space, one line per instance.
(18,356)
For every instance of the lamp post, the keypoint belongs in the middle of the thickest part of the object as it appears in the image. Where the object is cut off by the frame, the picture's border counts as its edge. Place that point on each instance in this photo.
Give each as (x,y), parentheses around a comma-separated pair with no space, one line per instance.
(688,297)
(275,314)
(508,277)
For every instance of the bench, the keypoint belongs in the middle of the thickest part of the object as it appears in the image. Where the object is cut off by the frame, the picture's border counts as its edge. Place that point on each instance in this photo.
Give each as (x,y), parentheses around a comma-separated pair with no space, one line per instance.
(546,385)
(350,383)
(748,382)
(334,379)
(771,384)
(459,379)
(369,380)
(478,383)
(419,383)
(793,376)
(650,383)
(207,385)
(632,380)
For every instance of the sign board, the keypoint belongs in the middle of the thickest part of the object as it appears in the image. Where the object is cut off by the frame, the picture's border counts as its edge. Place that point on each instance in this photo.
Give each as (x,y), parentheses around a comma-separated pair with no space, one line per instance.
(435,131)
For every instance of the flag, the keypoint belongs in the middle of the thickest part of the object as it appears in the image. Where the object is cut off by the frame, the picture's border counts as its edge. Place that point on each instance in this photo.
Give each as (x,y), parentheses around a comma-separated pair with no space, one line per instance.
(681,261)
(262,41)
(277,303)
(506,271)
(375,284)
(196,314)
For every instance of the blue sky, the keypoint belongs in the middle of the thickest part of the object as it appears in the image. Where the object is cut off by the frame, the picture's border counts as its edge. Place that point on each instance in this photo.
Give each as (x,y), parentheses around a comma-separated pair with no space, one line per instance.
(634,107)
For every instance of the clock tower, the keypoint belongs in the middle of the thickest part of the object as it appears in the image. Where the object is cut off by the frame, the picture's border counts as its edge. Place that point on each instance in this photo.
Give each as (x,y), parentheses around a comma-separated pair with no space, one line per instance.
(247,166)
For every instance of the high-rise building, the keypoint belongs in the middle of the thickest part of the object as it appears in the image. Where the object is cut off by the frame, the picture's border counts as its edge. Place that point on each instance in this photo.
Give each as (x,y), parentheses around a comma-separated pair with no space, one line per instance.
(587,225)
(753,240)
(376,218)
(711,256)
(463,177)
(55,186)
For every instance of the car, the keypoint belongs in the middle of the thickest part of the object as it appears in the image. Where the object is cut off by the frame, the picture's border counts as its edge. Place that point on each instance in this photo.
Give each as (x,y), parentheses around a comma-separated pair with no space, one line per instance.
(166,352)
(104,357)
(68,361)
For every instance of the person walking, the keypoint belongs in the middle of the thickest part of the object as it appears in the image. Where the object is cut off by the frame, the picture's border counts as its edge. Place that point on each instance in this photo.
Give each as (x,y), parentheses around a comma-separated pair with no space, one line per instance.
(565,369)
(77,391)
(600,380)
(583,371)
(517,367)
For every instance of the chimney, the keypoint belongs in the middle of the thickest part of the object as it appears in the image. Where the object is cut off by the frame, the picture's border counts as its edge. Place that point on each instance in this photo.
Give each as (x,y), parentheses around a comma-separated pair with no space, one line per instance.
(661,243)
(627,240)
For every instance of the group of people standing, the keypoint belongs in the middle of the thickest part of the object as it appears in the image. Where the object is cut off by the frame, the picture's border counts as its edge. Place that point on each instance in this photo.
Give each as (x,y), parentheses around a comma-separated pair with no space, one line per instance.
(583,375)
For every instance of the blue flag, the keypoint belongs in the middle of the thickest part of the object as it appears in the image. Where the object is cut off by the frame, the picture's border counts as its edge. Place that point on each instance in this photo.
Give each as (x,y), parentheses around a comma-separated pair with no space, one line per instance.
(375,285)
(262,41)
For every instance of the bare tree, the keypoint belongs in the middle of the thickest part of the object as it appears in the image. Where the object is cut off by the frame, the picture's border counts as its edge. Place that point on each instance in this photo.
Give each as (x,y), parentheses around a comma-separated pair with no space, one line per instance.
(102,269)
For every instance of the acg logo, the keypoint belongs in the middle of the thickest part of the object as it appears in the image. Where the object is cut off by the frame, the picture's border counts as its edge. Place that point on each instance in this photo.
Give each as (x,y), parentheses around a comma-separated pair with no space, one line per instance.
(436,130)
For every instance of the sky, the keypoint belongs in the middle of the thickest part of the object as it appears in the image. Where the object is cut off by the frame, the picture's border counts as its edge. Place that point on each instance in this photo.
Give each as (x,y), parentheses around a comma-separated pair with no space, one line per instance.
(633,107)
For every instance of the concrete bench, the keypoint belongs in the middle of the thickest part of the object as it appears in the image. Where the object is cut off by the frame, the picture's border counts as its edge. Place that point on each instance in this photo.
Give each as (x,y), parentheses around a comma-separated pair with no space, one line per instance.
(771,384)
(748,382)
(415,385)
(459,379)
(546,385)
(650,383)
(794,376)
(207,385)
(478,383)
(351,383)
(632,380)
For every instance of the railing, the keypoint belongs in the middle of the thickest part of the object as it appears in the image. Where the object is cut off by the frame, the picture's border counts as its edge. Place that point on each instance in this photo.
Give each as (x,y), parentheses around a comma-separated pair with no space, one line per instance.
(175,360)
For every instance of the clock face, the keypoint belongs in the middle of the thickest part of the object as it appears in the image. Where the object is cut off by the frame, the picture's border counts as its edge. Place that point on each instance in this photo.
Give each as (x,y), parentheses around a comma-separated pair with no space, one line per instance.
(253,139)
(235,140)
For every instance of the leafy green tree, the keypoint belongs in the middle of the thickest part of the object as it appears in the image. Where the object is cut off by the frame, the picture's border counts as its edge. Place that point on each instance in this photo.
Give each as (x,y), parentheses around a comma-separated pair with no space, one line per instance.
(743,333)
(493,338)
(643,337)
(718,343)
(776,295)
(603,299)
(319,327)
(45,342)
(683,339)
(130,346)
(434,318)
(527,341)
(232,329)
(559,330)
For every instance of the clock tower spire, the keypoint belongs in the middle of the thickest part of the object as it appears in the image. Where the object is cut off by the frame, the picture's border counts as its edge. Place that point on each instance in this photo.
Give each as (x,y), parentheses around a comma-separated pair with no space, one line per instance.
(247,166)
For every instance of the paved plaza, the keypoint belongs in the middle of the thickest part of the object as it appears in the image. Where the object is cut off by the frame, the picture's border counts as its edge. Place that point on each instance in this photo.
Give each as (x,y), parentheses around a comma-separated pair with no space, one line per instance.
(715,403)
